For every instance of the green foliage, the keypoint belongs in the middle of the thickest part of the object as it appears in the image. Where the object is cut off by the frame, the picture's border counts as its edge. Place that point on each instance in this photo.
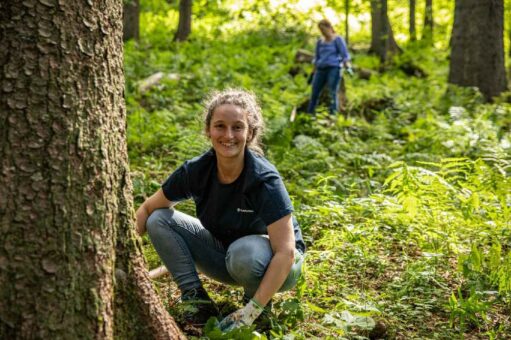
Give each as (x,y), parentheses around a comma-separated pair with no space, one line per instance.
(487,271)
(212,331)
(470,311)
(404,200)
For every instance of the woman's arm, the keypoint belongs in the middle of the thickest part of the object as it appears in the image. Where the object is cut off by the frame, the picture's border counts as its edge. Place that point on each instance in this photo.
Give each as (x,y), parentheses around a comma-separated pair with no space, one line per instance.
(282,240)
(156,201)
(343,51)
(316,55)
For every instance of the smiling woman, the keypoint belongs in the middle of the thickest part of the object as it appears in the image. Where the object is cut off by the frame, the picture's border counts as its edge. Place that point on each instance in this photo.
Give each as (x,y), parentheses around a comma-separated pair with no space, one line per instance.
(244,233)
(229,132)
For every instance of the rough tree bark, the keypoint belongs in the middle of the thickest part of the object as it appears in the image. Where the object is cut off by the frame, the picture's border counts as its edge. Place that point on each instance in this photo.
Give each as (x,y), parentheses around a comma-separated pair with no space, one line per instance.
(427,33)
(477,53)
(383,43)
(131,20)
(70,265)
(411,28)
(184,27)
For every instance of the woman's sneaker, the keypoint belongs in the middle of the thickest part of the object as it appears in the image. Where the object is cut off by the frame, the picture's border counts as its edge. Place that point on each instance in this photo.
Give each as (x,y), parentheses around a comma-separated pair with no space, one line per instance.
(198,307)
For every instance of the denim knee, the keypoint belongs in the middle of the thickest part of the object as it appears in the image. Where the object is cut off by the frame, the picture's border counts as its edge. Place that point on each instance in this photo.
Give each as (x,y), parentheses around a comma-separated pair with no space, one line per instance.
(156,221)
(248,258)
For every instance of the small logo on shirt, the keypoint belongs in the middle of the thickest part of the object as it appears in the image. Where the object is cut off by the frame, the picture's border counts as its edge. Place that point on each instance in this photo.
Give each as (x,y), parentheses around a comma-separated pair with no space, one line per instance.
(245,211)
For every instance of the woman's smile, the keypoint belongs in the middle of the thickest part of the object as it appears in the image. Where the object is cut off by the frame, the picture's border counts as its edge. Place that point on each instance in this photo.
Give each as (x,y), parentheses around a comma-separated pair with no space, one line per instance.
(228,145)
(229,132)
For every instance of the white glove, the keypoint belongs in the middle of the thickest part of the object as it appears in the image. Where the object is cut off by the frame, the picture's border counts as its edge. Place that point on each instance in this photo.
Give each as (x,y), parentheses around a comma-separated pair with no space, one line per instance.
(242,317)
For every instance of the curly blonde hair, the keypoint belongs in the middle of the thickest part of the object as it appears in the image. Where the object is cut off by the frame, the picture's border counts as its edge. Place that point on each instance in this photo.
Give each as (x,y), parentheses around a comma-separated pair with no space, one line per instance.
(245,100)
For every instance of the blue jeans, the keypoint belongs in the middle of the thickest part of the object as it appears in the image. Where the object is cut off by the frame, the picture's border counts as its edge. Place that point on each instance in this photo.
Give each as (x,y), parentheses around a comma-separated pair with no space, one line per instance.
(185,246)
(331,77)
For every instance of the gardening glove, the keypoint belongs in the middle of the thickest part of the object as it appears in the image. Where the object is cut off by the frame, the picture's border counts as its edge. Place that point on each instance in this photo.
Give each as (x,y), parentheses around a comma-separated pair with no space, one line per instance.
(242,317)
(348,67)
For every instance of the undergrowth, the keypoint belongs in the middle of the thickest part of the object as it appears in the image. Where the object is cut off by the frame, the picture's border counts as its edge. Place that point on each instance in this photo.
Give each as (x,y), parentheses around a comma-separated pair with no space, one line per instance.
(405,209)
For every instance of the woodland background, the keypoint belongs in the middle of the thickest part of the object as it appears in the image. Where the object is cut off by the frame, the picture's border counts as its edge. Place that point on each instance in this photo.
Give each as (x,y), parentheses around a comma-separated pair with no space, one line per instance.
(404,198)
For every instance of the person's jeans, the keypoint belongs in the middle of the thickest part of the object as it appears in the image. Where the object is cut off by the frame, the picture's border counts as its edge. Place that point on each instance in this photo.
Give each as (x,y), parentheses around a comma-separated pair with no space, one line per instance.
(330,76)
(185,246)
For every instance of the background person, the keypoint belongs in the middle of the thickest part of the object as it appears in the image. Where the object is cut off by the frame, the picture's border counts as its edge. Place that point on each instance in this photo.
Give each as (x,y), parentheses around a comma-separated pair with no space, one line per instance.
(244,233)
(331,52)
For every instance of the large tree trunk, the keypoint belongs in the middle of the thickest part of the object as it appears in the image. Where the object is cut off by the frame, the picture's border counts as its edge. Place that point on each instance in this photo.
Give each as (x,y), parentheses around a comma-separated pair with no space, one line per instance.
(427,33)
(412,29)
(477,53)
(383,43)
(130,19)
(184,27)
(65,191)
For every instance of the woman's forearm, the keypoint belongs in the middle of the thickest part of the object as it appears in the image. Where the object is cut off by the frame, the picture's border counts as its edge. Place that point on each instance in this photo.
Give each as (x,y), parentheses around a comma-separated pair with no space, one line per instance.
(156,201)
(141,218)
(277,272)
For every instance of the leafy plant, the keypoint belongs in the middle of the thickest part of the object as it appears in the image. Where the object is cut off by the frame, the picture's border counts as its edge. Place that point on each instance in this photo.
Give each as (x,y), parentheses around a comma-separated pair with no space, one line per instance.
(404,200)
(468,311)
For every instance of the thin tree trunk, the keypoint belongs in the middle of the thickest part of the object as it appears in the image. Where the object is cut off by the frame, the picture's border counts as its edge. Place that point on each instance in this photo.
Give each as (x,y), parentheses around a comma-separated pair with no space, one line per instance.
(185,20)
(65,192)
(383,43)
(509,50)
(477,53)
(346,21)
(385,29)
(412,29)
(376,27)
(130,19)
(427,33)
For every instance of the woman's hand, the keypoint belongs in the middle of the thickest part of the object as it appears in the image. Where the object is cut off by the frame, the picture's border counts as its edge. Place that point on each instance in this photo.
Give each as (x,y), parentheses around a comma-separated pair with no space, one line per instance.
(242,317)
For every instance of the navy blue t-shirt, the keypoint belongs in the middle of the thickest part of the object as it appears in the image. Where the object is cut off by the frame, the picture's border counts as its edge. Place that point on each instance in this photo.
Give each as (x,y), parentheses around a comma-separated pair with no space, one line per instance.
(256,199)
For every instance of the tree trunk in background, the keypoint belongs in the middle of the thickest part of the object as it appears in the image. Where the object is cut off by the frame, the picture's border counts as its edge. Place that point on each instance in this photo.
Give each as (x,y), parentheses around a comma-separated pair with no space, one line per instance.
(65,191)
(477,53)
(509,51)
(383,43)
(184,27)
(384,32)
(507,17)
(412,29)
(427,33)
(376,27)
(346,21)
(131,20)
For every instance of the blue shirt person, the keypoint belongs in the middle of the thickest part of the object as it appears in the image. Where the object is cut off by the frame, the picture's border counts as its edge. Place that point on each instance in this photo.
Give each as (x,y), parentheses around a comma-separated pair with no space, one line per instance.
(331,52)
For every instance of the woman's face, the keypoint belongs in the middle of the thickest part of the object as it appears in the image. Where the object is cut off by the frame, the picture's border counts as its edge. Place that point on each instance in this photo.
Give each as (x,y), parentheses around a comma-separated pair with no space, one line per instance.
(229,131)
(325,30)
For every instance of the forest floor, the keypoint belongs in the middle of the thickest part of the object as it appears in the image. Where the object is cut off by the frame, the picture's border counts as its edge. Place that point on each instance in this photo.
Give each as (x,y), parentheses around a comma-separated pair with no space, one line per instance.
(404,199)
